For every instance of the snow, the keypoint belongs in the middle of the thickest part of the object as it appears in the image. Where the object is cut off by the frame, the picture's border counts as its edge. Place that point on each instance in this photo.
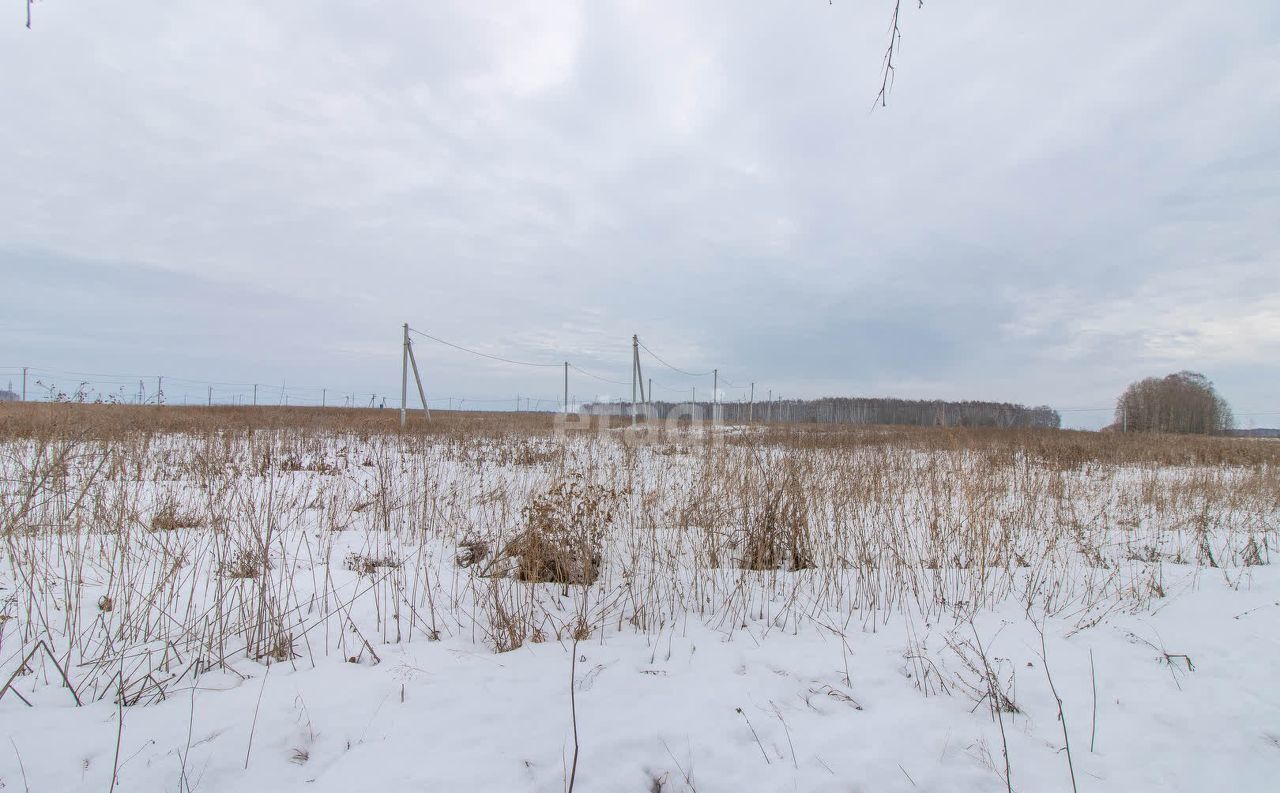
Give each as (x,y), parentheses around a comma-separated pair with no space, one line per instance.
(792,691)
(450,715)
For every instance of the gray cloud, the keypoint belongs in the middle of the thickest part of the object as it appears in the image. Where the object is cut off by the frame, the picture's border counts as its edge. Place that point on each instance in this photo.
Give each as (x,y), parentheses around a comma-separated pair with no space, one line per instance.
(1058,200)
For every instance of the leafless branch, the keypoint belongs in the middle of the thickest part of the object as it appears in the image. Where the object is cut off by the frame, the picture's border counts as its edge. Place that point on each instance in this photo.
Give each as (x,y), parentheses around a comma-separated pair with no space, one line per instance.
(887,71)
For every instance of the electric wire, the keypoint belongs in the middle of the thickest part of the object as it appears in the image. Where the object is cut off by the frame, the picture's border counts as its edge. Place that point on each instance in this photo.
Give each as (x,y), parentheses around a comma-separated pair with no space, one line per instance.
(596,376)
(481,354)
(669,366)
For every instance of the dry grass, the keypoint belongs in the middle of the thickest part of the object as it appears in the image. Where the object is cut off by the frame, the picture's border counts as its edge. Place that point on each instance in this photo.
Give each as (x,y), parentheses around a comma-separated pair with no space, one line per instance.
(149,544)
(563,537)
(170,517)
(44,419)
(776,534)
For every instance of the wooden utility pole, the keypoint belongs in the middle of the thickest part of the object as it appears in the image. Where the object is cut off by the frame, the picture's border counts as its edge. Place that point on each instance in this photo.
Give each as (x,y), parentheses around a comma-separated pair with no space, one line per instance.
(417,378)
(635,372)
(324,392)
(404,374)
(751,407)
(566,387)
(210,402)
(715,392)
(24,384)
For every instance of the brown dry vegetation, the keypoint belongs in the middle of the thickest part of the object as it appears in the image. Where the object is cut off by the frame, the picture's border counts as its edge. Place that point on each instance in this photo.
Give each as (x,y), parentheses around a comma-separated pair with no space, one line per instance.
(1058,448)
(288,534)
(104,422)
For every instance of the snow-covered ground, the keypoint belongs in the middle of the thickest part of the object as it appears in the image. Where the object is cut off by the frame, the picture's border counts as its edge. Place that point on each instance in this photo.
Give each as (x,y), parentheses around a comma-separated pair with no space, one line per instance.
(358,654)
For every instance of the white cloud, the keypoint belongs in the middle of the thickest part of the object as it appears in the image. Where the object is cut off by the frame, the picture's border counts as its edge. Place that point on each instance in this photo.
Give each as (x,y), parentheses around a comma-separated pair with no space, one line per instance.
(1058,198)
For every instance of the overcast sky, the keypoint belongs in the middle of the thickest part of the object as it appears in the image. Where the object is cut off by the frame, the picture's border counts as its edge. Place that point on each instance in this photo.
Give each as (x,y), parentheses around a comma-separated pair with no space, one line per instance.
(1061,197)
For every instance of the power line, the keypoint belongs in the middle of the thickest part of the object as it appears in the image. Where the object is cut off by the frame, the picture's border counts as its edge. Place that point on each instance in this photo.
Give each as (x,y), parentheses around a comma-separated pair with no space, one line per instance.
(219,383)
(123,388)
(62,372)
(129,379)
(597,377)
(680,389)
(482,354)
(669,366)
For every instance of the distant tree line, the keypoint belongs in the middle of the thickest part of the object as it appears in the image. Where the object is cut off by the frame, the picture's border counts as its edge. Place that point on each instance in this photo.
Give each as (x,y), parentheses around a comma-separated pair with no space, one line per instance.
(1182,402)
(1256,432)
(862,410)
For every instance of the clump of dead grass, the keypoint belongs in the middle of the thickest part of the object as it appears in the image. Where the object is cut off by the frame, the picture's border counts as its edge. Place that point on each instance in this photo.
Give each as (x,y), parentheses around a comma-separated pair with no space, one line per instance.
(293,464)
(471,552)
(777,537)
(1251,556)
(170,517)
(245,562)
(562,539)
(369,564)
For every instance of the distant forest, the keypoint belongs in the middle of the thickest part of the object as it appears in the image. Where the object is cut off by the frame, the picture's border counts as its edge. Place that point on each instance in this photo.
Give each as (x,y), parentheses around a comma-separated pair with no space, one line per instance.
(1264,432)
(864,410)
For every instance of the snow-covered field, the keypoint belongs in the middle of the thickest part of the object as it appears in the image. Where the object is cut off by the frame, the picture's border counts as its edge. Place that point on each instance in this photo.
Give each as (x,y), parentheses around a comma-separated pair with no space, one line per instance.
(330,611)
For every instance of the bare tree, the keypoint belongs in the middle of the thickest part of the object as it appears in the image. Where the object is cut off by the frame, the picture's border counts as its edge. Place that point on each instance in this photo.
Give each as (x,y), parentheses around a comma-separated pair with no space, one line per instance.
(1183,402)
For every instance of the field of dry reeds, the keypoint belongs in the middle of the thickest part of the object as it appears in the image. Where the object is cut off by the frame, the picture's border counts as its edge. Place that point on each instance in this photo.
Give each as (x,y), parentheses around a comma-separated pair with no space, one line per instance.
(146,546)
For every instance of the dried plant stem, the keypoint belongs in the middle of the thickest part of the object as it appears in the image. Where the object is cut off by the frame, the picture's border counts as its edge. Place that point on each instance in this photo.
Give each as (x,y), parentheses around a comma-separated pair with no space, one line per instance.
(994,698)
(1062,719)
(755,735)
(1093,677)
(21,766)
(573,710)
(254,725)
